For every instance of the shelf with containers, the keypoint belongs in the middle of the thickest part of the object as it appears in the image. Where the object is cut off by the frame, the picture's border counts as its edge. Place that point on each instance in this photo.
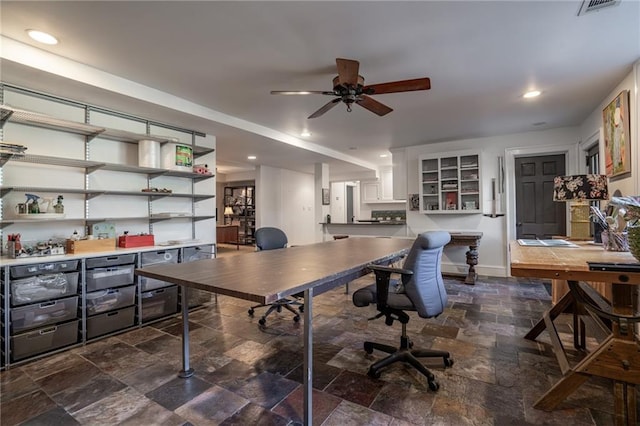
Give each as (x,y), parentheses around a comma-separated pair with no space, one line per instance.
(450,183)
(90,188)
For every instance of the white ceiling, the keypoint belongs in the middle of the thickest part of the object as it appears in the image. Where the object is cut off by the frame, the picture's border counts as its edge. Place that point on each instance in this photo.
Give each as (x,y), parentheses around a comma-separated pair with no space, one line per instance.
(228,56)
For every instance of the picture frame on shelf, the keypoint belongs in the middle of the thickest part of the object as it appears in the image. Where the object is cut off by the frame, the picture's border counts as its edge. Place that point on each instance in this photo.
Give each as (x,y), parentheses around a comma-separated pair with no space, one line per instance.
(326,196)
(617,136)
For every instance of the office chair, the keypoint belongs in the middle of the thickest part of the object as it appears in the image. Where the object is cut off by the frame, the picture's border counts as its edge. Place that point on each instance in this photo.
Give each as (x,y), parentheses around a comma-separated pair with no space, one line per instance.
(419,289)
(268,238)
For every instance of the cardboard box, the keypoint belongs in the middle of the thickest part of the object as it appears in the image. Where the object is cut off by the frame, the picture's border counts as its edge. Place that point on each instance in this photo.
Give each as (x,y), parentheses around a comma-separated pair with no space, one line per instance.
(128,241)
(89,246)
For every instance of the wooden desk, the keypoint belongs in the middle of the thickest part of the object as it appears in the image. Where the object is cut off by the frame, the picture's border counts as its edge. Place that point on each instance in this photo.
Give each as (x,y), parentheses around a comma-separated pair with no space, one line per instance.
(618,356)
(472,240)
(267,276)
(228,234)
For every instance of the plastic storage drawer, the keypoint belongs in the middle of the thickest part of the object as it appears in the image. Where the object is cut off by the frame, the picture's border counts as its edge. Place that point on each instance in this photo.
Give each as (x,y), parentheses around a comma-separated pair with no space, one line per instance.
(43,287)
(43,340)
(41,314)
(43,268)
(149,258)
(189,254)
(108,300)
(101,278)
(106,261)
(158,303)
(156,258)
(110,321)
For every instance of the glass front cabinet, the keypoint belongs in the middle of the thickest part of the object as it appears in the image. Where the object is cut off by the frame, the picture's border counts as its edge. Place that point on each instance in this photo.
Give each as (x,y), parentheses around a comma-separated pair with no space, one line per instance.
(450,183)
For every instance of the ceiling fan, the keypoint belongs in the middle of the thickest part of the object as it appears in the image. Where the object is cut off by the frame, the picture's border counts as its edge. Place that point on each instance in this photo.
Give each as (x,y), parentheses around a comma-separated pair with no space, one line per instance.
(348,87)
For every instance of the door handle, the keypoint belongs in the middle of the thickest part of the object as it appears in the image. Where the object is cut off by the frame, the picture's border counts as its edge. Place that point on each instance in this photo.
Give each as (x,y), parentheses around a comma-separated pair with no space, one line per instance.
(519,224)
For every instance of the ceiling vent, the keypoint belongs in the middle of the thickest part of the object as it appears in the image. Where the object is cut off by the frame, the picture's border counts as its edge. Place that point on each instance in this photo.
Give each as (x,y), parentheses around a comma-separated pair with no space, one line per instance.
(595,5)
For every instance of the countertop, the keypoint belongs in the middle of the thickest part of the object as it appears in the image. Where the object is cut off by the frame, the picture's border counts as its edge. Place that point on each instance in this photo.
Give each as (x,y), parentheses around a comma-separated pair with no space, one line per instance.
(7,261)
(385,222)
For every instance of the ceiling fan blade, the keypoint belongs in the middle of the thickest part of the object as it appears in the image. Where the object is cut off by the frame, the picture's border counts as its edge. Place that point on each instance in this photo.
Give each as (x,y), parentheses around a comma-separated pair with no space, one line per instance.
(325,108)
(398,86)
(301,92)
(347,71)
(373,105)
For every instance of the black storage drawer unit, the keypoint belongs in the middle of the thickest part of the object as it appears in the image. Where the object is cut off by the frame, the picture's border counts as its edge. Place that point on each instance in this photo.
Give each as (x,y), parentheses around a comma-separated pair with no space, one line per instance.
(38,315)
(105,262)
(115,276)
(156,258)
(43,287)
(24,271)
(43,340)
(159,303)
(110,321)
(108,300)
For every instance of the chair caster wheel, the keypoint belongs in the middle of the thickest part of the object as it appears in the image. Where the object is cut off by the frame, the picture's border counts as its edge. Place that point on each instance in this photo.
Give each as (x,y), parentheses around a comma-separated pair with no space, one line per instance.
(434,386)
(374,374)
(301,308)
(368,348)
(448,362)
(296,318)
(262,321)
(251,311)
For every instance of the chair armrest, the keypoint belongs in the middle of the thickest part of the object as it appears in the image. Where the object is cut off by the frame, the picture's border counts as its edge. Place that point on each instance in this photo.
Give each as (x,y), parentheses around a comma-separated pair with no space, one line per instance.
(390,269)
(383,278)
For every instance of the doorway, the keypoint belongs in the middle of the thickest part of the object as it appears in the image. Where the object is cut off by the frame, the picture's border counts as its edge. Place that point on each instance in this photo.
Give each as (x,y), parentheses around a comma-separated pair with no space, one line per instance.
(537,215)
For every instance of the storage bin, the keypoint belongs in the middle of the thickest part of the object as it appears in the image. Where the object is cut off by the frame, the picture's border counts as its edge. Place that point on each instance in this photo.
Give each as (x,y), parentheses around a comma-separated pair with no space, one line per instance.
(110,322)
(106,261)
(110,299)
(43,268)
(155,258)
(189,254)
(101,278)
(159,303)
(43,340)
(149,258)
(43,287)
(41,314)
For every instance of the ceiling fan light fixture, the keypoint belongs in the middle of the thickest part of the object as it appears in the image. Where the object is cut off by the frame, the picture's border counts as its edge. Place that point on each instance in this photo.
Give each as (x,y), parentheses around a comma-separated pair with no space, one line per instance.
(532,94)
(42,37)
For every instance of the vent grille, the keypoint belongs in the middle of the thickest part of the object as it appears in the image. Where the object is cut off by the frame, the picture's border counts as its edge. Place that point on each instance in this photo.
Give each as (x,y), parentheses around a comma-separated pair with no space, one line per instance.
(595,5)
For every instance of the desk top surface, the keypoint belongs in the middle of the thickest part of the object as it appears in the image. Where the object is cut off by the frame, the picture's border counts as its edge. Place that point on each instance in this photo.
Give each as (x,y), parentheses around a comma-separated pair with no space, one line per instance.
(566,262)
(266,276)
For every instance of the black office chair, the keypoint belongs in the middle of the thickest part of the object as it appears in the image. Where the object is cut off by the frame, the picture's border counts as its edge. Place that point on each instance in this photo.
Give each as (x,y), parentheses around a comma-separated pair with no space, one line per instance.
(419,289)
(269,238)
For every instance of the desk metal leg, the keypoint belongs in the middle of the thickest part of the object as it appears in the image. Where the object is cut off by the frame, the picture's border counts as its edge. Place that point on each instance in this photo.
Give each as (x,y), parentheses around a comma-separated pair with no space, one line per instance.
(186,371)
(308,357)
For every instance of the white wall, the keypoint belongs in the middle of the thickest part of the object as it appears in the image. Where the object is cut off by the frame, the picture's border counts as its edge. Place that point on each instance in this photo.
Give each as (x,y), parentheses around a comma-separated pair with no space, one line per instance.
(285,199)
(591,129)
(493,247)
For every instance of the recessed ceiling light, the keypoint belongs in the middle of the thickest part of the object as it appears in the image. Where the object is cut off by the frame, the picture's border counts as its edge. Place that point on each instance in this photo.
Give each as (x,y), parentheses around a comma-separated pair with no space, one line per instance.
(540,123)
(251,157)
(42,37)
(352,148)
(305,133)
(383,155)
(532,94)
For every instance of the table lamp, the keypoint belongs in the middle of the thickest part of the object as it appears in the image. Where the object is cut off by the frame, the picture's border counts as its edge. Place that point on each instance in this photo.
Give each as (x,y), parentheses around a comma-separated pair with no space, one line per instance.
(578,190)
(228,211)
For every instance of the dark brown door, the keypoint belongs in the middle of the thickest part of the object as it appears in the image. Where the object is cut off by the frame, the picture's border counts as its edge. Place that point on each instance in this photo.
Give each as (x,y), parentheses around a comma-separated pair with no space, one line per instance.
(537,215)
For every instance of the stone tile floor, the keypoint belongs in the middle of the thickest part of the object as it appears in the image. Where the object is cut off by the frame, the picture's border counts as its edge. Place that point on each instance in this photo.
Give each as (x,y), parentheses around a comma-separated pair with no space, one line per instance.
(246,375)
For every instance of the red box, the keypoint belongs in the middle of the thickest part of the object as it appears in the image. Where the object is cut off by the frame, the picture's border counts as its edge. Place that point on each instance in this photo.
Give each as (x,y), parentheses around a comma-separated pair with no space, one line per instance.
(128,241)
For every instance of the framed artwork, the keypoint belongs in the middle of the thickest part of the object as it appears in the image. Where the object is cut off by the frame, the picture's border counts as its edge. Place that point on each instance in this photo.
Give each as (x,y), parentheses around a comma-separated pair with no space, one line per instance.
(617,137)
(326,197)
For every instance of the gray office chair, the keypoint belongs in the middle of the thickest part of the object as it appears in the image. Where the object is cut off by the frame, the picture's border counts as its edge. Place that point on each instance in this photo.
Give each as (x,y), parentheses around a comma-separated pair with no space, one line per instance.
(269,238)
(419,289)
